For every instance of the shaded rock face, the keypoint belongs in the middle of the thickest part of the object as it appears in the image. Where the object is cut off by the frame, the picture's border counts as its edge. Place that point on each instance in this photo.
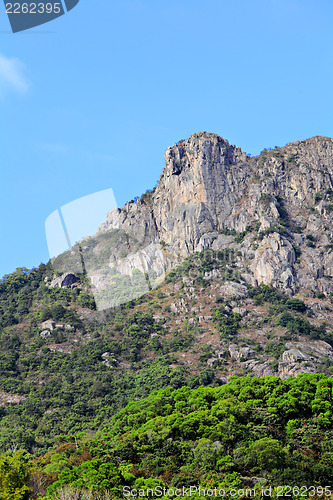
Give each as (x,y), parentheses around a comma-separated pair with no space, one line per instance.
(212,195)
(67,280)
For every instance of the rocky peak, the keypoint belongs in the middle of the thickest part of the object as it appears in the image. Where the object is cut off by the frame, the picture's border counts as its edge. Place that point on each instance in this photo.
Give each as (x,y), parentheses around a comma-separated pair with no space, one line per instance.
(201,183)
(275,210)
(203,150)
(210,188)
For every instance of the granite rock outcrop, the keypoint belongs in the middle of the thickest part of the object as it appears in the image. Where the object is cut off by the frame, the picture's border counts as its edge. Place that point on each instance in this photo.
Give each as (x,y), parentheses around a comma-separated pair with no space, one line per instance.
(274,208)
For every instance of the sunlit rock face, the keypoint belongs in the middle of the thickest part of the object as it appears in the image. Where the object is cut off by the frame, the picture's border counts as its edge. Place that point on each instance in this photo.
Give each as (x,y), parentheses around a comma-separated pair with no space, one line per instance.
(274,211)
(275,208)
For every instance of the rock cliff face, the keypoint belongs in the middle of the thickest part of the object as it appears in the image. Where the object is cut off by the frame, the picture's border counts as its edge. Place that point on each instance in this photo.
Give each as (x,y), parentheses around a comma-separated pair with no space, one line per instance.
(275,209)
(202,183)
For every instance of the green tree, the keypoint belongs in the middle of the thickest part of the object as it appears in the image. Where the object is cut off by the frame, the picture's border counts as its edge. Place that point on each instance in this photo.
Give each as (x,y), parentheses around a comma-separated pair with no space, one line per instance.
(15,473)
(266,454)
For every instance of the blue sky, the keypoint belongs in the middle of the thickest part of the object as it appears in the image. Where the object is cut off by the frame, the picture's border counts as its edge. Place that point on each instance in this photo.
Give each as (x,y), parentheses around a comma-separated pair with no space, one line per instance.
(91,100)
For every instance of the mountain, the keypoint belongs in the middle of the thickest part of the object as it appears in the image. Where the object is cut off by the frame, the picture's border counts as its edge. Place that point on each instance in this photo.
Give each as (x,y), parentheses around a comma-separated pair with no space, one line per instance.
(278,205)
(223,269)
(239,223)
(275,209)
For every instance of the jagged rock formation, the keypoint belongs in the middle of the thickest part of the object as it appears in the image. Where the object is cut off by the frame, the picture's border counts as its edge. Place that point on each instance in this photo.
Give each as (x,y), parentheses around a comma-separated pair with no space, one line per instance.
(274,260)
(275,208)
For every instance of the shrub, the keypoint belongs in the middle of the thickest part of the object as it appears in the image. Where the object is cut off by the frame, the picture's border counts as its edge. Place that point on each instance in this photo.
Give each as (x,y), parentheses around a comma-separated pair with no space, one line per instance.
(266,199)
(240,237)
(229,232)
(310,244)
(228,323)
(274,349)
(14,476)
(275,228)
(296,325)
(267,293)
(282,212)
(58,312)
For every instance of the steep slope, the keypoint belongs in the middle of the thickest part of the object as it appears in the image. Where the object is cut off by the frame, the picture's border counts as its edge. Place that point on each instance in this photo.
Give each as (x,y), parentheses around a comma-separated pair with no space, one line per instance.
(65,367)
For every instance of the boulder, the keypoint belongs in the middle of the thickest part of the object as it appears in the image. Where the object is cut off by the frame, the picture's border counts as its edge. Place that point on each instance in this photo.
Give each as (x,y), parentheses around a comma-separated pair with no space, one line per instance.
(66,280)
(48,325)
(45,334)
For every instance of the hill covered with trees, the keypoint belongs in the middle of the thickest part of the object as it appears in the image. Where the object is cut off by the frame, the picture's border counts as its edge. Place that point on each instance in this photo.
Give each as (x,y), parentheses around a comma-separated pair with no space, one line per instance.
(252,433)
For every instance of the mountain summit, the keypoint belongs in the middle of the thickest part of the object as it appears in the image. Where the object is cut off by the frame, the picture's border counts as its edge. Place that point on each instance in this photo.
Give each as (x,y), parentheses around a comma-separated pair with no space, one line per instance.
(274,209)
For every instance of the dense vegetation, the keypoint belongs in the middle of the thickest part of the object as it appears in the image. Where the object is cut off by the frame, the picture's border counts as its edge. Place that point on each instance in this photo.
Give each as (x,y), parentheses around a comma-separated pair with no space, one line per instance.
(252,432)
(68,391)
(73,385)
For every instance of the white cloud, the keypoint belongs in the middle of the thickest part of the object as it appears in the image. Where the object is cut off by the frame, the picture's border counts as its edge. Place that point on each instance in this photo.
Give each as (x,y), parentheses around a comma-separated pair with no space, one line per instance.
(12,75)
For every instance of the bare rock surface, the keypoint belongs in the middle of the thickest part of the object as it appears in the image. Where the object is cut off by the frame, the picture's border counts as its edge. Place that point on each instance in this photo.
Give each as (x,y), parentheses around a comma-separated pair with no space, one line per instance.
(210,191)
(302,357)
